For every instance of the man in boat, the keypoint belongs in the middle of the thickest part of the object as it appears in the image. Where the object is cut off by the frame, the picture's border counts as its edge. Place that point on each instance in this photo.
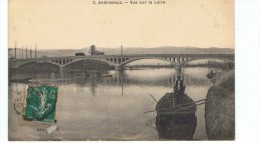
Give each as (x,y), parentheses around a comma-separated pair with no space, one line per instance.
(179,89)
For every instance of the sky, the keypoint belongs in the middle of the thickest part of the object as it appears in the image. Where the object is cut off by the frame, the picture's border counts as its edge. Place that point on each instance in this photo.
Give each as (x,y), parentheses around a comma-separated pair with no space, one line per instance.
(75,24)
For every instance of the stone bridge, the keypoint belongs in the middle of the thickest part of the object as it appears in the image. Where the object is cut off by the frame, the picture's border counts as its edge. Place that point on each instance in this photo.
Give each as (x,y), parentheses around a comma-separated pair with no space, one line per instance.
(120,60)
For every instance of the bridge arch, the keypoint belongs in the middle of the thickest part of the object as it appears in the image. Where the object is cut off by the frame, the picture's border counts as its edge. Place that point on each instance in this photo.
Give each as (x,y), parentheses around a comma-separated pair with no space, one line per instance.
(83,59)
(36,61)
(201,58)
(136,59)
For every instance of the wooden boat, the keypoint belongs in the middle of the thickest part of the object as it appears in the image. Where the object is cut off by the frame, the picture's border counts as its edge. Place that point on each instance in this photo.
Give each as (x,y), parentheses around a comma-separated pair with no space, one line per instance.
(22,80)
(106,75)
(210,75)
(175,104)
(176,117)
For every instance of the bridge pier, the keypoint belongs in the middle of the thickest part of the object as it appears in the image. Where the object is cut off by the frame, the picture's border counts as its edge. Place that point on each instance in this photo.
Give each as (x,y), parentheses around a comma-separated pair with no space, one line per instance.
(61,69)
(119,68)
(177,70)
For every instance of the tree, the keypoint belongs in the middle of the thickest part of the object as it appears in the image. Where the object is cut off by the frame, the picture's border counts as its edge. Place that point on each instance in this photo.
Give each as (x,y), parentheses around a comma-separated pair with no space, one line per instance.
(92,50)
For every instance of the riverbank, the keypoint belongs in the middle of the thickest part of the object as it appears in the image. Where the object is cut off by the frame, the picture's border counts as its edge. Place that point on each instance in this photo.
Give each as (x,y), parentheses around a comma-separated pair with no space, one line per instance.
(220,107)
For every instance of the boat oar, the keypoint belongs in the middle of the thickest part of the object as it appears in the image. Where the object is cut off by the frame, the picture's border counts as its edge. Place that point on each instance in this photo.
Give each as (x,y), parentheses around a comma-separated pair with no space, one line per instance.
(176,106)
(184,104)
(182,109)
(153,98)
(189,106)
(195,104)
(149,111)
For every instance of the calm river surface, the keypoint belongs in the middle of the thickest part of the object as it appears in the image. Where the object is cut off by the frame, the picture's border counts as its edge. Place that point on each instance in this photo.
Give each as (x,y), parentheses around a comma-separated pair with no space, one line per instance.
(110,108)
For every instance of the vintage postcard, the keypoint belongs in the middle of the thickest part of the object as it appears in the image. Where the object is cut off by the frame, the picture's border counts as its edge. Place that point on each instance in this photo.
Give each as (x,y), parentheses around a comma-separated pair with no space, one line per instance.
(124,70)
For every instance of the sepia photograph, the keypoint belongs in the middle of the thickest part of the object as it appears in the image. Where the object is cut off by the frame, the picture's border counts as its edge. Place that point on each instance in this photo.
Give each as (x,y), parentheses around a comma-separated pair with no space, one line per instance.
(121,70)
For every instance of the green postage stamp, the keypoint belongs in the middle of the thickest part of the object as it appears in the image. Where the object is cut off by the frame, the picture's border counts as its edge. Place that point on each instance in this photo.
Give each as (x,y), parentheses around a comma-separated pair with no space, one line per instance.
(41,103)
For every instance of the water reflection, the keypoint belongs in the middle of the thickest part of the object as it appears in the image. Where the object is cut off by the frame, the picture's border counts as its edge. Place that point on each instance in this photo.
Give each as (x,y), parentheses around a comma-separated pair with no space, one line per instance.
(111,104)
(176,128)
(118,78)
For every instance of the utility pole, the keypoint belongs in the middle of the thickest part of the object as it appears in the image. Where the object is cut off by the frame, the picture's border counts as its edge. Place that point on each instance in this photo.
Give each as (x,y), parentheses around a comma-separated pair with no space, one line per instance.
(35,51)
(26,51)
(31,52)
(121,49)
(22,52)
(15,50)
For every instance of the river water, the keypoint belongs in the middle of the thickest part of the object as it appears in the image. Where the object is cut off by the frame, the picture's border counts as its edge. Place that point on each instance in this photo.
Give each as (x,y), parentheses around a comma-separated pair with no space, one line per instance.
(110,107)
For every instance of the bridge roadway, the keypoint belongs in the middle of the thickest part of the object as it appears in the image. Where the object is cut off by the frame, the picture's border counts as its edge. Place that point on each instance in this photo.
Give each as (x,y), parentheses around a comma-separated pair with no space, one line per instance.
(120,60)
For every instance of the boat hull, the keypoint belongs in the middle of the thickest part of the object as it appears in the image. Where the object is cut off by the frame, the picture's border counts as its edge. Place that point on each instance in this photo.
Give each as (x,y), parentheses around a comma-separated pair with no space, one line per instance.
(176,118)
